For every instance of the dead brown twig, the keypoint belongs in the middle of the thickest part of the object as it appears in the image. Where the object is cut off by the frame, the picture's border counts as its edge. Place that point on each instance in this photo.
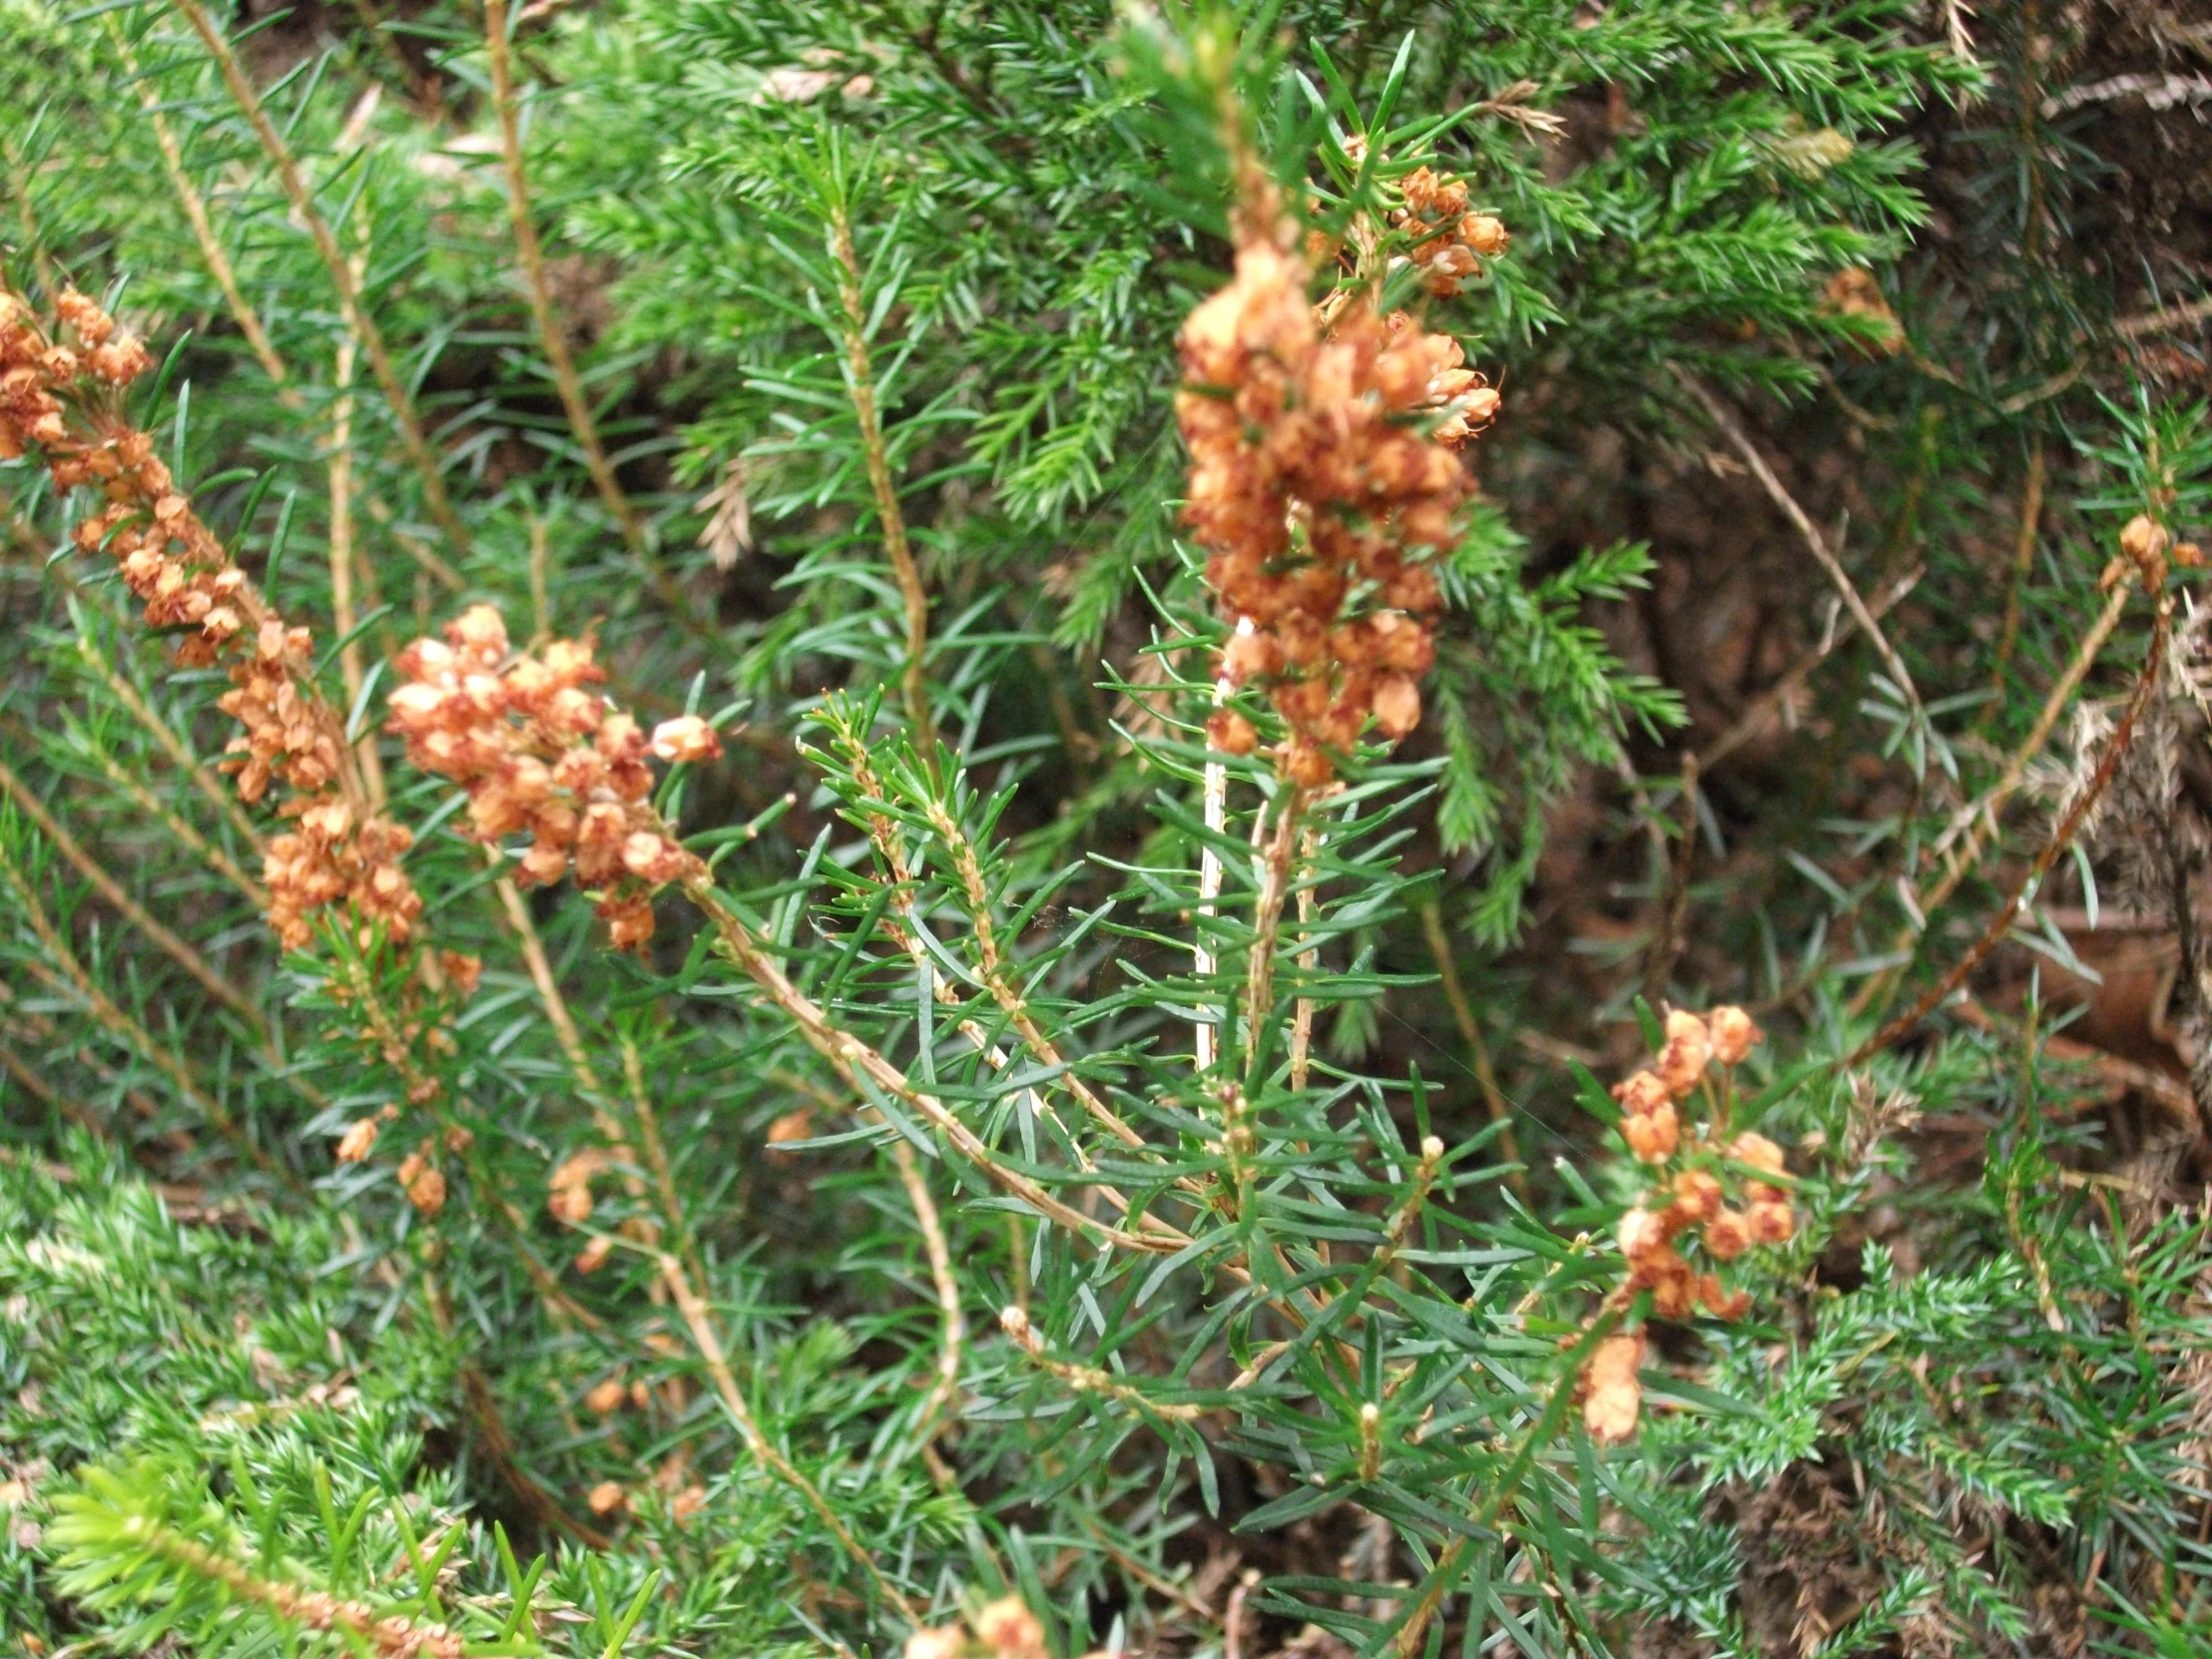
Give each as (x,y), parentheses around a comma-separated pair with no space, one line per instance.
(1731,430)
(2062,838)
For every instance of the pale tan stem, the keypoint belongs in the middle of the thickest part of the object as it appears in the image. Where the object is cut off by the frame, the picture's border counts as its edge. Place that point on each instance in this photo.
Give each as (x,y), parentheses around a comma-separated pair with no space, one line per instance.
(976,892)
(1301,1017)
(203,230)
(953,1323)
(1090,1379)
(170,742)
(1764,708)
(74,978)
(2162,322)
(210,854)
(1978,821)
(388,1634)
(1205,1036)
(861,386)
(1731,430)
(416,549)
(552,340)
(656,1158)
(1267,920)
(358,321)
(1471,1031)
(2023,562)
(862,1066)
(109,889)
(701,1325)
(341,560)
(421,88)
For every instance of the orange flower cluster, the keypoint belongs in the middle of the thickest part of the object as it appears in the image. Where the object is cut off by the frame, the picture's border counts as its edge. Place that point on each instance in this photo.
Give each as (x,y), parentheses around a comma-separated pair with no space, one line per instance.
(1323,475)
(1689,1204)
(538,754)
(1447,238)
(1004,1629)
(62,398)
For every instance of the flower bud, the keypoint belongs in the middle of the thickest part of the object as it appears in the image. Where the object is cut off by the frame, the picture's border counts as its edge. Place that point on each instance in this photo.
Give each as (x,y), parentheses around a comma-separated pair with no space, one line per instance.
(686,738)
(2143,538)
(1010,1630)
(1689,1050)
(1653,1136)
(1734,1034)
(1728,1234)
(1757,1151)
(939,1641)
(1230,732)
(1641,1094)
(1486,235)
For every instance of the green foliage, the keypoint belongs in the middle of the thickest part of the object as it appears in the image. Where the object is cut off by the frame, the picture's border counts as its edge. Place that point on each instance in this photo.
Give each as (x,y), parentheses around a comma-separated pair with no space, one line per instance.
(1040,1162)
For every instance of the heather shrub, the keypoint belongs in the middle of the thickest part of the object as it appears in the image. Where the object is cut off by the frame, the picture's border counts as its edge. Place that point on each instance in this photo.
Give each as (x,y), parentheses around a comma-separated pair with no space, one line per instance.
(1007,830)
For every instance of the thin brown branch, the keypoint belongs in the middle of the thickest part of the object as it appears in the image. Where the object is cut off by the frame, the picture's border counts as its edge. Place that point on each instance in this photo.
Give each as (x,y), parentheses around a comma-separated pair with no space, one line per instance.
(976,895)
(2117,746)
(422,88)
(72,979)
(186,833)
(552,337)
(2165,320)
(340,552)
(1779,695)
(1731,430)
(1302,1015)
(1978,821)
(867,1070)
(860,385)
(1266,916)
(1090,1379)
(358,321)
(109,889)
(2023,561)
(952,1326)
(165,735)
(700,1321)
(203,230)
(1471,1032)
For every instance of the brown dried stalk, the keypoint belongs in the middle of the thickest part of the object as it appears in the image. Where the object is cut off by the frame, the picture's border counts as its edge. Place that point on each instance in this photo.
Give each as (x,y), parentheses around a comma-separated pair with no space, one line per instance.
(860,378)
(1485,1075)
(700,1321)
(203,230)
(109,889)
(976,895)
(1090,1379)
(1979,820)
(1731,430)
(342,559)
(358,321)
(392,1635)
(1776,697)
(2123,734)
(206,850)
(2023,559)
(552,338)
(74,980)
(867,1070)
(203,778)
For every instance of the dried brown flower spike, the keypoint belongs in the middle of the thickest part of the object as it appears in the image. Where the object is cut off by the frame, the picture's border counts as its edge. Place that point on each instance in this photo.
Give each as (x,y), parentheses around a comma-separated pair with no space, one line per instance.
(1686,1205)
(1322,481)
(63,401)
(538,754)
